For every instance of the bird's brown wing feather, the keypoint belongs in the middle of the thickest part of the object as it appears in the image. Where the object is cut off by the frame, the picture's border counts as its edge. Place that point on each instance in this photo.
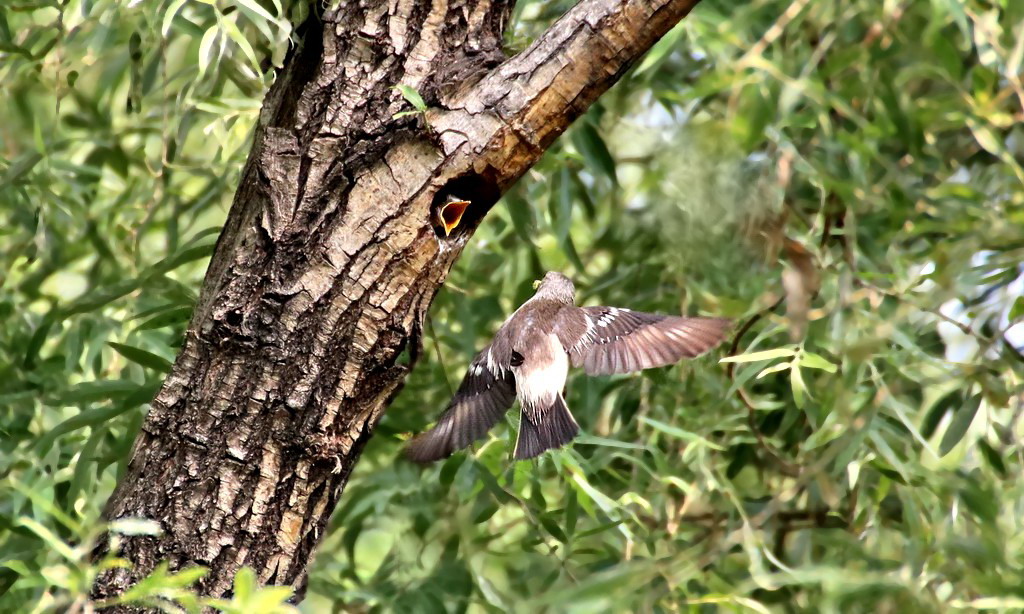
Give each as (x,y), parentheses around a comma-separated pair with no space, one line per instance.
(483,397)
(606,340)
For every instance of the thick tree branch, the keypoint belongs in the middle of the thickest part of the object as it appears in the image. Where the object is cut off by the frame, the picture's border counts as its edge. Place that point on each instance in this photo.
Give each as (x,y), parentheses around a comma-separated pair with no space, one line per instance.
(503,124)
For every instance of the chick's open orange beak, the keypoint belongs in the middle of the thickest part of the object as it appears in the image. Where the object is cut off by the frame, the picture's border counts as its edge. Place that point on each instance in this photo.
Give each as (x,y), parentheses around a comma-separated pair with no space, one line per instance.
(450,214)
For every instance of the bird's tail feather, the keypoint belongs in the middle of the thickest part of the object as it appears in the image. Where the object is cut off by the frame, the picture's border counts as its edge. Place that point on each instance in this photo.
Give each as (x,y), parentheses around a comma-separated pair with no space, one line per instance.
(556,428)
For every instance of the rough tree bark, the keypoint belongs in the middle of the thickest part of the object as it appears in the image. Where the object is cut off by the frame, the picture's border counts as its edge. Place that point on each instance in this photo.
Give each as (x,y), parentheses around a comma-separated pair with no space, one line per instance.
(329,261)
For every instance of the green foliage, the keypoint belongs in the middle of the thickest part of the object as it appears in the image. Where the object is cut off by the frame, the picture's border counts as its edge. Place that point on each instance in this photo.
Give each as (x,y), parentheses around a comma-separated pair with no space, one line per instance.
(861,161)
(124,130)
(412,97)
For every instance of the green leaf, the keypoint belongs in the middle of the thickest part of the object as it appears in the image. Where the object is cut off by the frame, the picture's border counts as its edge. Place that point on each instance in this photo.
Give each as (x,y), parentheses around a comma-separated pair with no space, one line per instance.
(21,167)
(255,7)
(412,97)
(159,581)
(45,534)
(142,357)
(169,14)
(938,411)
(783,352)
(99,415)
(572,510)
(1017,310)
(796,381)
(560,205)
(589,143)
(992,457)
(679,433)
(484,509)
(96,391)
(170,317)
(661,49)
(245,584)
(985,137)
(402,114)
(813,361)
(449,469)
(206,48)
(35,343)
(962,419)
(521,214)
(228,25)
(780,366)
(569,248)
(591,440)
(551,526)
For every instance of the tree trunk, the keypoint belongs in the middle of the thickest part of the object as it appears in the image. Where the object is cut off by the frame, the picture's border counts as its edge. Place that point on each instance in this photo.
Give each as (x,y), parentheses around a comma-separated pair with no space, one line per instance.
(329,260)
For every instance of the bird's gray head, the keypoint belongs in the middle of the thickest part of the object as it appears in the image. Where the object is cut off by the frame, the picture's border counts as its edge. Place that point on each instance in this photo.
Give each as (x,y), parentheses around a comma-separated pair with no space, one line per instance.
(556,287)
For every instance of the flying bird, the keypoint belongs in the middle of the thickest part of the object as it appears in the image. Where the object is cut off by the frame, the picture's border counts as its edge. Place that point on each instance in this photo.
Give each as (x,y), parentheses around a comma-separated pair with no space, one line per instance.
(529,359)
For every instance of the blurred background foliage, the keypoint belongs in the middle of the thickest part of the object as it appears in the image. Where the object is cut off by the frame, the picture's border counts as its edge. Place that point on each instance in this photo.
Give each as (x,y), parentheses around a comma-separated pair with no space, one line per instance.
(842,177)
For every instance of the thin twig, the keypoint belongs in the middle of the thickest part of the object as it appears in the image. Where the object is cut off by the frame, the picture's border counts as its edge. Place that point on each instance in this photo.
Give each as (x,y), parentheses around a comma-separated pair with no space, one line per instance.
(774,32)
(437,351)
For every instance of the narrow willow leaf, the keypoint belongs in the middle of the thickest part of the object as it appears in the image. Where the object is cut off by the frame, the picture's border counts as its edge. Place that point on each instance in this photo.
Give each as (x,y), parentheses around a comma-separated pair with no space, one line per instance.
(142,357)
(939,410)
(588,141)
(257,9)
(236,35)
(992,457)
(170,317)
(55,543)
(98,415)
(245,584)
(679,433)
(783,352)
(25,163)
(412,97)
(551,526)
(206,48)
(35,343)
(169,15)
(96,391)
(781,366)
(813,361)
(661,50)
(560,205)
(962,419)
(1017,311)
(796,380)
(521,214)
(593,440)
(572,510)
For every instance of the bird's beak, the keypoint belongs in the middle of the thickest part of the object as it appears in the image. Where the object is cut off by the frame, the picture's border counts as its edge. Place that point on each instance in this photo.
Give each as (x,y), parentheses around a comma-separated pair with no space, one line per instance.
(450,214)
(536,283)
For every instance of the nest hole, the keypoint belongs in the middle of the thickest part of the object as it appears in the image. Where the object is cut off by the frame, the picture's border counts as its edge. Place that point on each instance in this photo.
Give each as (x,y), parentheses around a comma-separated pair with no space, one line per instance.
(461,204)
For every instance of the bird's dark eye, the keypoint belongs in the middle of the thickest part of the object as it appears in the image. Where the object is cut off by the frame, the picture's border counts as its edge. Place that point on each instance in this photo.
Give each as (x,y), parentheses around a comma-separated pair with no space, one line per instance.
(517,359)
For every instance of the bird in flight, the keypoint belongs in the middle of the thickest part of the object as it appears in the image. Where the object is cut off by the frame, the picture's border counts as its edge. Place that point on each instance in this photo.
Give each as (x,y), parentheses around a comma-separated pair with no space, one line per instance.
(529,359)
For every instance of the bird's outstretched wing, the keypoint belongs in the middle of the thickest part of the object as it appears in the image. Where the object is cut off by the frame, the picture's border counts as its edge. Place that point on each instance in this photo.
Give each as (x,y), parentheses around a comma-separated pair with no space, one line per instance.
(605,340)
(483,397)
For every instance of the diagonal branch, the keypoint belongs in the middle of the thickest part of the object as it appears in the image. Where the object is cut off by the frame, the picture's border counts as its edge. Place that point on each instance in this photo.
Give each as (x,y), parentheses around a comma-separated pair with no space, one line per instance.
(503,124)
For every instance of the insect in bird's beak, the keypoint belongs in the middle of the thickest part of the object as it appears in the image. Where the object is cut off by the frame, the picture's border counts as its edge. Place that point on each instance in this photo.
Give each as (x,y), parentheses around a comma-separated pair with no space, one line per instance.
(450,214)
(536,284)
